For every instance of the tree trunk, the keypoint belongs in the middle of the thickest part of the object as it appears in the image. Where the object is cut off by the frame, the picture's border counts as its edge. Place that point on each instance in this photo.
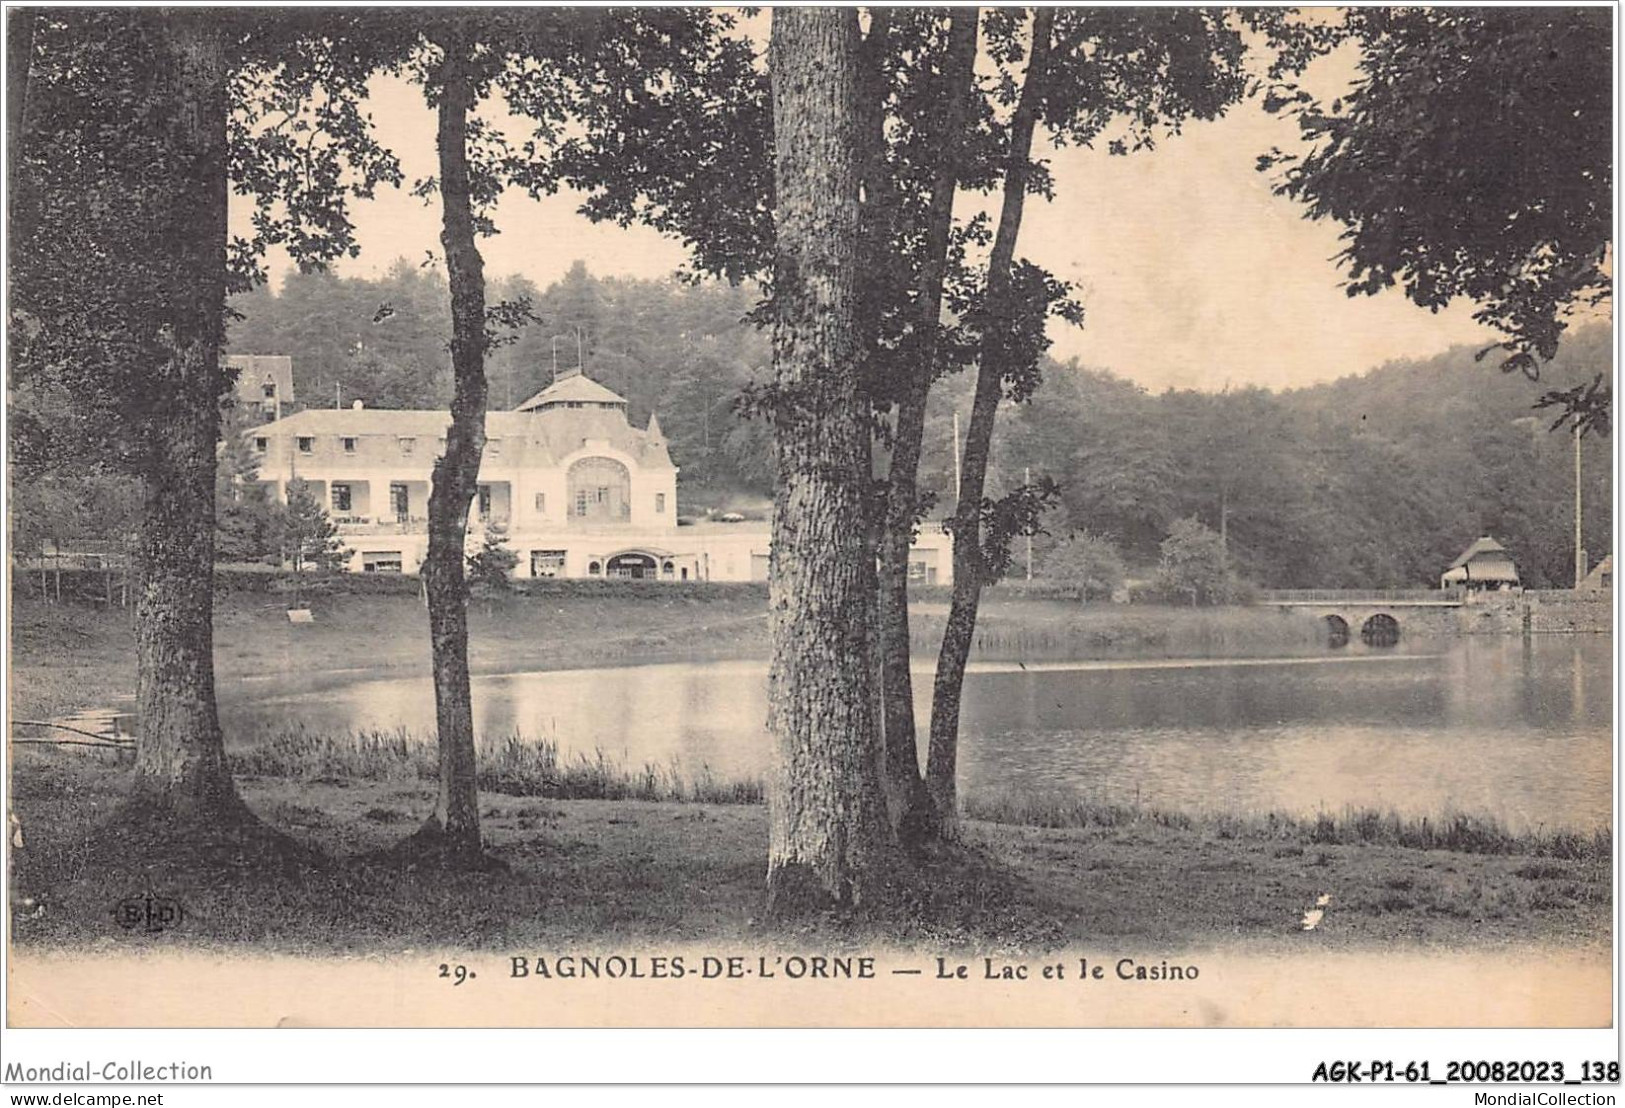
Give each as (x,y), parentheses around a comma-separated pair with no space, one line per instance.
(828,830)
(19,70)
(911,803)
(456,819)
(180,755)
(969,568)
(876,218)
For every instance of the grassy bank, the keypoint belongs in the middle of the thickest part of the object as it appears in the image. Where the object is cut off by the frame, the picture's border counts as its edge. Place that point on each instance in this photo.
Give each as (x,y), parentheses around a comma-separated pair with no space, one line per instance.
(1022,626)
(513,765)
(509,764)
(65,657)
(631,871)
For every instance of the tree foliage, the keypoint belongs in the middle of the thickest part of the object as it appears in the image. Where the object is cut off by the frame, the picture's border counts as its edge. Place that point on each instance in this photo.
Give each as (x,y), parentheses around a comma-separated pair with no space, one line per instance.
(492,565)
(309,538)
(1471,158)
(1194,564)
(1087,562)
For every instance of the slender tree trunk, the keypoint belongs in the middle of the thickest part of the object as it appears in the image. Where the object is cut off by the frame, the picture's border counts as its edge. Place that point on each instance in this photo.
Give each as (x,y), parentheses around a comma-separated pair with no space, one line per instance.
(456,816)
(876,218)
(828,830)
(19,71)
(180,755)
(969,568)
(911,803)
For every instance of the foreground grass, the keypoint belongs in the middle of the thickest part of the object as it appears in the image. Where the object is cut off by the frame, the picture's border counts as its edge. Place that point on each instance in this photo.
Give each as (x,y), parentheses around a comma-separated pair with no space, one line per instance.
(1454,831)
(514,765)
(631,871)
(511,764)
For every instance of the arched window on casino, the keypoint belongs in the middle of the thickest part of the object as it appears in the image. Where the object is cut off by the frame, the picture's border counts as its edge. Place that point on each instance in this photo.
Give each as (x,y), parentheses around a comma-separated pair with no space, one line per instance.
(600,491)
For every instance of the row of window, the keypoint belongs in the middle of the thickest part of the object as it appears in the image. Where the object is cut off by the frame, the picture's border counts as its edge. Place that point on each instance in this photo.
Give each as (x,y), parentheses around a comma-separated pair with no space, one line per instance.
(342,498)
(550,563)
(306,444)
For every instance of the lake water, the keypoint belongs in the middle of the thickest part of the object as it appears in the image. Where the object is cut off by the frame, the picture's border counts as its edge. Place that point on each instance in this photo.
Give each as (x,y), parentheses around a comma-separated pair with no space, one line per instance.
(1516,728)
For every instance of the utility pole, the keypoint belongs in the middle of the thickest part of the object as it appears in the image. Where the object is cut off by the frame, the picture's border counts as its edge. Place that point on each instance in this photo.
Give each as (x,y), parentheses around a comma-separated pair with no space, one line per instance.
(554,342)
(1579,549)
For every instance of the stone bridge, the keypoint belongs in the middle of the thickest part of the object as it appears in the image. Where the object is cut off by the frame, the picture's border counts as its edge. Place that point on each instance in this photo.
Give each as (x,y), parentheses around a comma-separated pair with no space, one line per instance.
(1378,616)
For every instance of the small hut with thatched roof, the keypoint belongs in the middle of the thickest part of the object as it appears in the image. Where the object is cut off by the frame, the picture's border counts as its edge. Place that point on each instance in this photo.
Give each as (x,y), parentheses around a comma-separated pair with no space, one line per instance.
(1484,566)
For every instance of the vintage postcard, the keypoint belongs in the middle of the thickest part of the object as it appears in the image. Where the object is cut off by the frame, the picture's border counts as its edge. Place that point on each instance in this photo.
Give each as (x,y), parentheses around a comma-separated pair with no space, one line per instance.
(673,517)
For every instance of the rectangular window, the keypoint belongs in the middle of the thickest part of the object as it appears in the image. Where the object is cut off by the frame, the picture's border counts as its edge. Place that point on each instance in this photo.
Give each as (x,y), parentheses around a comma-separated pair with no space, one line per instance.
(261,444)
(581,502)
(408,444)
(493,447)
(349,445)
(307,443)
(916,571)
(547,563)
(270,390)
(400,500)
(485,500)
(341,498)
(660,503)
(541,503)
(381,561)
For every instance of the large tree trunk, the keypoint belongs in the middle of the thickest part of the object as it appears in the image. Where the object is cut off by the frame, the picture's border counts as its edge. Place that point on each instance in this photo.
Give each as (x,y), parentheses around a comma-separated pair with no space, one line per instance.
(911,803)
(455,824)
(969,567)
(180,755)
(828,830)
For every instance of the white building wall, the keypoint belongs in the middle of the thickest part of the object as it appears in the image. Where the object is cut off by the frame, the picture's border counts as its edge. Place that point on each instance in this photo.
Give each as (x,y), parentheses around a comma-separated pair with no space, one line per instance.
(517,471)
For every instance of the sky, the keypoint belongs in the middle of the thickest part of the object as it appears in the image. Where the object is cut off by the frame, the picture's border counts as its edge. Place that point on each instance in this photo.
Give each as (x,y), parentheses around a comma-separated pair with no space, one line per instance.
(1192,274)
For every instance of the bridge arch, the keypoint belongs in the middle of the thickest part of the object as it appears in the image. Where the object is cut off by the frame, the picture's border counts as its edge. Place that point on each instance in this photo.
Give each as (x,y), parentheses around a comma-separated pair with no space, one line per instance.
(1337,630)
(1381,629)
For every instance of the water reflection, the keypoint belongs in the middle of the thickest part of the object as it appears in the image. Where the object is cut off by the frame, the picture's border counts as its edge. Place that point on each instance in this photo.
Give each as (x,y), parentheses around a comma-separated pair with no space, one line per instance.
(1511,727)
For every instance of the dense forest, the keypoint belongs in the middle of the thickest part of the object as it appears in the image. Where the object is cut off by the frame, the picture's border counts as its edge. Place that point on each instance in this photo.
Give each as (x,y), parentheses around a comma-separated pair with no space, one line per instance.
(1373,480)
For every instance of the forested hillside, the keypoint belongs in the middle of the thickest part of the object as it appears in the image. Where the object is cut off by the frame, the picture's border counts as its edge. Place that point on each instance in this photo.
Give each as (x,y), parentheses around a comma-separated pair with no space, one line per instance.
(1374,480)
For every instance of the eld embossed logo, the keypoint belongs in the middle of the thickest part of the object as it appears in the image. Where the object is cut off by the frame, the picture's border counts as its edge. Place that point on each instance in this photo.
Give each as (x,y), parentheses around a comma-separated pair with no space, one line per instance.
(148,913)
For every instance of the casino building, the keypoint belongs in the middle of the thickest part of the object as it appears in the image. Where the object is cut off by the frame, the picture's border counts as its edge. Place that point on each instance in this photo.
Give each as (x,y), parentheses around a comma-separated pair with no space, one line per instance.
(575,489)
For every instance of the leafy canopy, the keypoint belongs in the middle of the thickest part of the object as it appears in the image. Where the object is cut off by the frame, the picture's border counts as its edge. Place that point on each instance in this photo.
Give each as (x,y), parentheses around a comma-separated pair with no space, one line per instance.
(1472,158)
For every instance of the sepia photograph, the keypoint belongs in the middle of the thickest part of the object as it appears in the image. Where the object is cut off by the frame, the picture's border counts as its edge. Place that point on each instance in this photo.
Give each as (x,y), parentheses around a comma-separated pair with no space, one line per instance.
(810,517)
